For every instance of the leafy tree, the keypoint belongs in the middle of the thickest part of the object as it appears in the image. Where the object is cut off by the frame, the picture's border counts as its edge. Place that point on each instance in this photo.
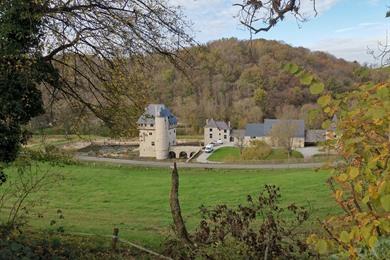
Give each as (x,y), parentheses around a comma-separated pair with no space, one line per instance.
(43,40)
(284,133)
(19,75)
(257,150)
(360,182)
(260,97)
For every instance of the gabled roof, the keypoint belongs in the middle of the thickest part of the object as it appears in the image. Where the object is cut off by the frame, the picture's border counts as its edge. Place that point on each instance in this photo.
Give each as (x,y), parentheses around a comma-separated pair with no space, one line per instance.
(211,123)
(156,110)
(315,136)
(238,133)
(300,125)
(255,130)
(261,130)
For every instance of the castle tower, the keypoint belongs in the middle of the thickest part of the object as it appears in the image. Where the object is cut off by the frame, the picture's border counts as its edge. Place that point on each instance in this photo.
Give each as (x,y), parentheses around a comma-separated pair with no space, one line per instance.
(162,139)
(157,132)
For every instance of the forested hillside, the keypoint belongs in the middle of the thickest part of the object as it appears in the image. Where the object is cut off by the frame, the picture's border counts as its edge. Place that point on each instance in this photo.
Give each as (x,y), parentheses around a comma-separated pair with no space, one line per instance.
(240,81)
(243,81)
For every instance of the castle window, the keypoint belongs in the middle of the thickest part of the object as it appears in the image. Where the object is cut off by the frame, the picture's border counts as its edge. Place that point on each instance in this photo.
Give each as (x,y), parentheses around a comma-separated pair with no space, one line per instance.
(225,131)
(151,125)
(211,135)
(211,129)
(225,137)
(152,143)
(150,133)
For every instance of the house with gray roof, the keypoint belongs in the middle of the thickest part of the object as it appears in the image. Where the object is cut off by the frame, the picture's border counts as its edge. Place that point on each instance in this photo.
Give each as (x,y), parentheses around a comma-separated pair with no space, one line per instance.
(263,131)
(217,130)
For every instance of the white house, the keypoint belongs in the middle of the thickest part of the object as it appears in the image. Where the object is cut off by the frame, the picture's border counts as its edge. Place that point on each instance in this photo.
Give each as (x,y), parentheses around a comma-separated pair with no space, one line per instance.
(217,130)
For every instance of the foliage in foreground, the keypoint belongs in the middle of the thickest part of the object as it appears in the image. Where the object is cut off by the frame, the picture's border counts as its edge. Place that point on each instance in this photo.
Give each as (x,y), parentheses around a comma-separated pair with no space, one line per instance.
(18,195)
(360,183)
(56,246)
(258,229)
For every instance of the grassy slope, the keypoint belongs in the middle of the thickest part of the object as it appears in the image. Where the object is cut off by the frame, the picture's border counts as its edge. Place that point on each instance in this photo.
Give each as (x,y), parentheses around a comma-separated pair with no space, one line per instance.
(94,199)
(225,154)
(233,154)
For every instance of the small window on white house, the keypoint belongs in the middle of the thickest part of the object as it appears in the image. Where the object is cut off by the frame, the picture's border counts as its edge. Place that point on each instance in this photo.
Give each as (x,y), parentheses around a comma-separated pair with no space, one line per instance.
(151,125)
(211,129)
(174,130)
(224,137)
(253,137)
(211,135)
(225,131)
(152,143)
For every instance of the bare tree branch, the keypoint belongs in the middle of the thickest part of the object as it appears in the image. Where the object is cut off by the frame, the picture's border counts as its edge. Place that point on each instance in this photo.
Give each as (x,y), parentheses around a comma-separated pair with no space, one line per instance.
(261,16)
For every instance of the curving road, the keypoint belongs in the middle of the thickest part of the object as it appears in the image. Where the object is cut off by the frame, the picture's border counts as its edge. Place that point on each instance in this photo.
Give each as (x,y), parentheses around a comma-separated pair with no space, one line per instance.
(199,165)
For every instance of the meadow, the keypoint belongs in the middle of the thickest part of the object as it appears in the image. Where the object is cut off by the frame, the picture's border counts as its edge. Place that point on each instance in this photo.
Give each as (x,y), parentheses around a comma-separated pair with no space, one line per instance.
(96,198)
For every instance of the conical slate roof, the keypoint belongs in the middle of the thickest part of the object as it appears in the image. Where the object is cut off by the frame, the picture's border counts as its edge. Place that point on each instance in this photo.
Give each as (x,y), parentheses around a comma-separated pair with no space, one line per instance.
(156,110)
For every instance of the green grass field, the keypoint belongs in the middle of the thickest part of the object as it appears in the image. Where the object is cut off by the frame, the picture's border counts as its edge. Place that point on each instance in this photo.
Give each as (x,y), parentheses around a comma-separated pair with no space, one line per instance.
(96,198)
(225,154)
(232,154)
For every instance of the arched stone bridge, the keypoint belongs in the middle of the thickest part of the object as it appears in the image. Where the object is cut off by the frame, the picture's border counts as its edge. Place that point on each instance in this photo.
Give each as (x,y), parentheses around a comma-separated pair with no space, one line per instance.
(183,151)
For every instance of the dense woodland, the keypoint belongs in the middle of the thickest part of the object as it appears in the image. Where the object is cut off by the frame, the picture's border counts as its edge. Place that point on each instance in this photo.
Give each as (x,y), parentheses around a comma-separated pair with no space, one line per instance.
(229,79)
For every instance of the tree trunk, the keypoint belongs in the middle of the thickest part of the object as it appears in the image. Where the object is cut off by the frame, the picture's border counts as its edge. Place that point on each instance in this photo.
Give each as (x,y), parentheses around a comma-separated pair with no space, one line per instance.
(180,227)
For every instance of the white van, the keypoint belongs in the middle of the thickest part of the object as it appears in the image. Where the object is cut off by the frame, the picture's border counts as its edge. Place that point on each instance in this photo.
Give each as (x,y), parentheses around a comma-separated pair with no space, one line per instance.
(209,148)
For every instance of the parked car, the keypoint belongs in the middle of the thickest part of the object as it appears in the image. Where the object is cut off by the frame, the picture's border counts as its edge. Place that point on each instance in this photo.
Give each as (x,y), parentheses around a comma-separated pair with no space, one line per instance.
(210,145)
(209,148)
(219,141)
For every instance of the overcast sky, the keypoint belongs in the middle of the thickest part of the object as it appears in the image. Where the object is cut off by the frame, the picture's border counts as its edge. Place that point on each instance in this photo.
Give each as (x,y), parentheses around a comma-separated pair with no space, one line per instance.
(344,28)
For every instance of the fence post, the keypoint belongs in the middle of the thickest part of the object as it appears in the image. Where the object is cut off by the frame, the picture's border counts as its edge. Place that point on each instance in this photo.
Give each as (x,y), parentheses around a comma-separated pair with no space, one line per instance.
(115,238)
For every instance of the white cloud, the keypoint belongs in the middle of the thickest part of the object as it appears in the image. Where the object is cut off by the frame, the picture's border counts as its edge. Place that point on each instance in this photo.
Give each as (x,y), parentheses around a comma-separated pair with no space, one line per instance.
(363,26)
(350,49)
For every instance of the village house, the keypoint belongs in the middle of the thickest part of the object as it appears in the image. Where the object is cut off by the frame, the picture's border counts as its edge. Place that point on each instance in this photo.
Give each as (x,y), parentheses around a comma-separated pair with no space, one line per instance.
(220,130)
(262,132)
(217,130)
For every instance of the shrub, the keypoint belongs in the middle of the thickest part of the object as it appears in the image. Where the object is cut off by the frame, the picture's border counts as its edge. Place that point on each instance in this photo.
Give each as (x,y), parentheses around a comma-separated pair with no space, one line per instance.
(257,230)
(16,194)
(258,150)
(51,154)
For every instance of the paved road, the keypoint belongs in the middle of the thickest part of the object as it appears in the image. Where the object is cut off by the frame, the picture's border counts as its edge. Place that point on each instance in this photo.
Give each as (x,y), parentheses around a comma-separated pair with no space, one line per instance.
(199,165)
